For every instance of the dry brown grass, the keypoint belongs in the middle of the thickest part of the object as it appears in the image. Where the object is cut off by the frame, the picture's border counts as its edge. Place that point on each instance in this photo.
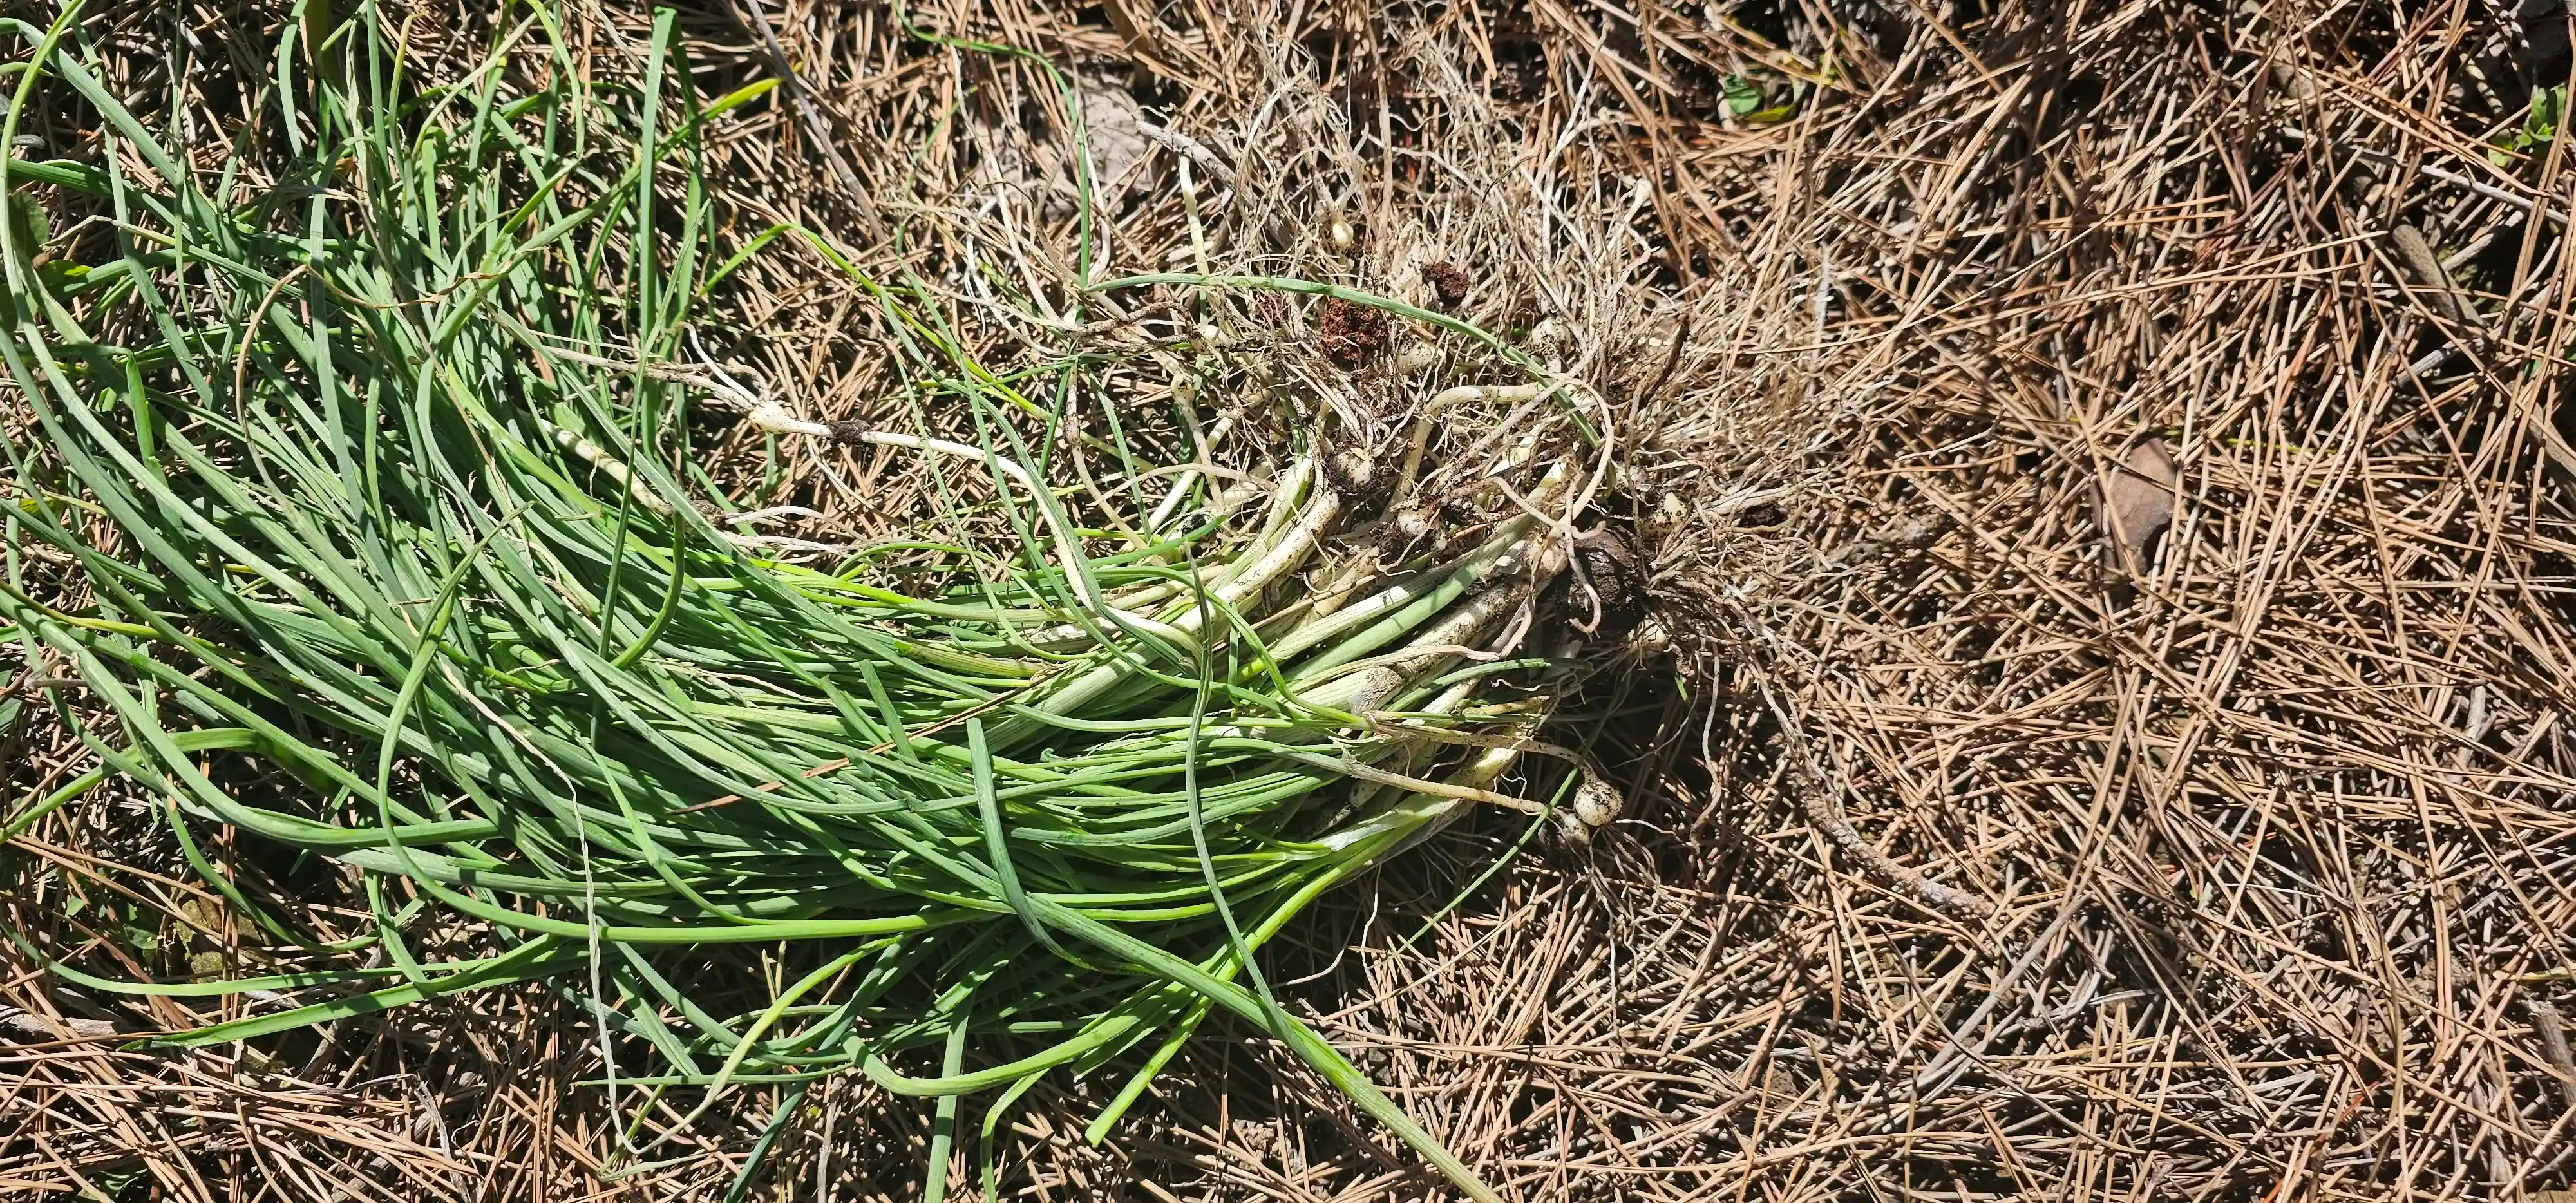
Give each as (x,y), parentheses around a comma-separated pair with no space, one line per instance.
(2120,599)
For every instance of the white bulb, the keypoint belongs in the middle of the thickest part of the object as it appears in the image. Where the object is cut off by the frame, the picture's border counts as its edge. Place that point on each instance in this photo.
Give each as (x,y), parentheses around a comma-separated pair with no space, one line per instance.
(1355,468)
(1651,638)
(1597,803)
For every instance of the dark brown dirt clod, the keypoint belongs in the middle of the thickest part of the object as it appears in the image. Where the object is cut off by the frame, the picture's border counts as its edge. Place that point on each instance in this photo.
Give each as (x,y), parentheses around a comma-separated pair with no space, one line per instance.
(1352,333)
(1447,281)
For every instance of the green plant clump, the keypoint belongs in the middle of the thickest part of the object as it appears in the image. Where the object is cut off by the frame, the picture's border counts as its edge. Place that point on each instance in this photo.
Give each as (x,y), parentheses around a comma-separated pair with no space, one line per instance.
(2539,127)
(381,485)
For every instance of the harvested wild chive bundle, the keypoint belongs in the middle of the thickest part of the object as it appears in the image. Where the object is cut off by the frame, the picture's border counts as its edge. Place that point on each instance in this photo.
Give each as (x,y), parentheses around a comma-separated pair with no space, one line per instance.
(404,512)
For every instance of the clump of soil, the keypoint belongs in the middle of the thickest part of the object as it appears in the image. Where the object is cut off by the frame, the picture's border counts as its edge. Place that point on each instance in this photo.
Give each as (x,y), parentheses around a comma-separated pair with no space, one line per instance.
(1353,333)
(1446,281)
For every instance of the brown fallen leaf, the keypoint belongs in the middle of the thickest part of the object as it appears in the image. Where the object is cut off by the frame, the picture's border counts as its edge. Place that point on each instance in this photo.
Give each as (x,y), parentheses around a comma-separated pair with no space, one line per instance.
(1113,130)
(2136,501)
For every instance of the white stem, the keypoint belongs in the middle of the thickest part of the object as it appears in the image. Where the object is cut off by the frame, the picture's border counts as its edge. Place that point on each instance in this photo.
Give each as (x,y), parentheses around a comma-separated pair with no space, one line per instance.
(773,417)
(598,458)
(1424,813)
(1440,403)
(1181,489)
(1292,547)
(1395,597)
(1290,551)
(772,515)
(1507,538)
